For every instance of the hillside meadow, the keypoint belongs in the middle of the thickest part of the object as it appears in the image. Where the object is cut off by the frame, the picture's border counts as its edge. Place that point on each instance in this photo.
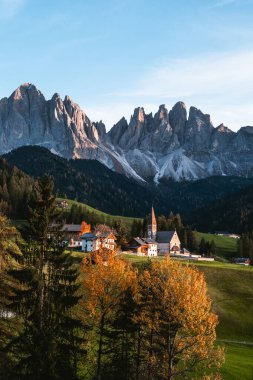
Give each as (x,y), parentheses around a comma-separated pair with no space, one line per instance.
(230,287)
(226,247)
(231,290)
(125,220)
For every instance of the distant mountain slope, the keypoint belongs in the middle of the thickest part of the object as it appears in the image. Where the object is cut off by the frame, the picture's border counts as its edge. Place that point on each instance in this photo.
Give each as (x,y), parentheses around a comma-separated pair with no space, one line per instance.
(85,180)
(169,144)
(90,182)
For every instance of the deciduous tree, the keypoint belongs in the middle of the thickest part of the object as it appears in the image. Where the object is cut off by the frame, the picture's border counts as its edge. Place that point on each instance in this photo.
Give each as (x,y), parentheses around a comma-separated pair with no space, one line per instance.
(106,278)
(177,322)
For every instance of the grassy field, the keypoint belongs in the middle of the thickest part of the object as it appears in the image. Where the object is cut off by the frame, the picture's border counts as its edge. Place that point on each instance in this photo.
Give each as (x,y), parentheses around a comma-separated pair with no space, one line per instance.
(231,289)
(239,362)
(127,221)
(225,246)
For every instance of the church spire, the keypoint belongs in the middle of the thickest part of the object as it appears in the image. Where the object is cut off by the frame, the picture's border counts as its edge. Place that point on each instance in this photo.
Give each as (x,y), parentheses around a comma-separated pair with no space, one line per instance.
(152,226)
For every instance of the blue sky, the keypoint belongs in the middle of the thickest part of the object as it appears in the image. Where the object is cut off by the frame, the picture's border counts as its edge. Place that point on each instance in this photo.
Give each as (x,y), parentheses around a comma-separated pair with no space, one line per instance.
(113,55)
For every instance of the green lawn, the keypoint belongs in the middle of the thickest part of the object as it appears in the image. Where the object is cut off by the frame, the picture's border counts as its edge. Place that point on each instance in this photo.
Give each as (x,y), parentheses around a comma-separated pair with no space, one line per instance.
(231,288)
(127,221)
(239,362)
(225,246)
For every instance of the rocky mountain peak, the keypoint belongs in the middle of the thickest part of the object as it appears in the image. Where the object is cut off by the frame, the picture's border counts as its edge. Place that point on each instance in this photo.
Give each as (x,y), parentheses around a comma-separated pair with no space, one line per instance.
(223,129)
(166,145)
(177,120)
(197,117)
(162,113)
(248,129)
(24,91)
(56,97)
(138,116)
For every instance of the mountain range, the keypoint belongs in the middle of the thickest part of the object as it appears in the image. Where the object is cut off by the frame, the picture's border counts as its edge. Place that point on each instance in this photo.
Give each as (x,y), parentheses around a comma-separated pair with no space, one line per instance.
(173,144)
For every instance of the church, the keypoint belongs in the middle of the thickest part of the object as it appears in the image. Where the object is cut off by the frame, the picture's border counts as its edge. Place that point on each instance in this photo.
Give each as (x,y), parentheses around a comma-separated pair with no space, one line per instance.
(167,241)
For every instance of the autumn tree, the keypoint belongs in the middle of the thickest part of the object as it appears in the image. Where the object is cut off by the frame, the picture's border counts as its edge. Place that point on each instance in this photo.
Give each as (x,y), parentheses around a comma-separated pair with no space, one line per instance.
(101,229)
(177,323)
(106,281)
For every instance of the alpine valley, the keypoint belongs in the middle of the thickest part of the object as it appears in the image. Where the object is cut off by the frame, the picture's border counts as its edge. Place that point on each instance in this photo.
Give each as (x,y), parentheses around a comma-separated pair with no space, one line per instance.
(167,145)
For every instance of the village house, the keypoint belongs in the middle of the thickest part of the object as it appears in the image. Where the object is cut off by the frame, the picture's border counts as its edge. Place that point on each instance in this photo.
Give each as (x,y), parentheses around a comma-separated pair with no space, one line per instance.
(73,233)
(143,247)
(107,240)
(92,242)
(242,261)
(62,204)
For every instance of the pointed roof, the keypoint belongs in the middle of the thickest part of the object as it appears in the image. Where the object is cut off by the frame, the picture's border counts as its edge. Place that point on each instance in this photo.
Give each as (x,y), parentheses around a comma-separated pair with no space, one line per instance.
(152,216)
(164,236)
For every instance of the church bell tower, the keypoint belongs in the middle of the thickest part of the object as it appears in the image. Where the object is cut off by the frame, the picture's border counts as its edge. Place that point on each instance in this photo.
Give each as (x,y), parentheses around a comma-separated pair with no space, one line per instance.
(152,226)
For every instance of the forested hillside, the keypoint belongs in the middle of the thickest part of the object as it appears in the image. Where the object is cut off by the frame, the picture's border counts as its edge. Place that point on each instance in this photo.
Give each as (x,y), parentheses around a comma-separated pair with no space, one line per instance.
(234,213)
(90,182)
(15,190)
(85,180)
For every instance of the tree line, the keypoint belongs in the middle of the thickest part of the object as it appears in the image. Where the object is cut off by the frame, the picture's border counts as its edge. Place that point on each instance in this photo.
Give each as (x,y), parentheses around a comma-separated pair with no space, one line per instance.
(245,246)
(16,190)
(104,319)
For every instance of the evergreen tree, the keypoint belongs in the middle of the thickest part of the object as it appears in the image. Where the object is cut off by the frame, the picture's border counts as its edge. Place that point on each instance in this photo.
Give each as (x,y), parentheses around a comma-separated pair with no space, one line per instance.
(51,338)
(10,256)
(212,248)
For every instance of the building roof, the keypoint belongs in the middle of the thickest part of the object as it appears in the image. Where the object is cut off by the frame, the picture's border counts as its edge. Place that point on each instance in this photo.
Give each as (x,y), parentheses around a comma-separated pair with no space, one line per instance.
(164,236)
(149,241)
(71,227)
(89,236)
(139,241)
(107,235)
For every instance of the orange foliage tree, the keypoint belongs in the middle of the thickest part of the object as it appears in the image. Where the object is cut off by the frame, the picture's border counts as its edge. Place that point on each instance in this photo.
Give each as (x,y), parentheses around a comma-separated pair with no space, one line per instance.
(176,322)
(106,278)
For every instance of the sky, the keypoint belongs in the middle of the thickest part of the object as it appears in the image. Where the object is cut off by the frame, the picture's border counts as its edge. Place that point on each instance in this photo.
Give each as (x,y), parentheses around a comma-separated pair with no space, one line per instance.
(111,56)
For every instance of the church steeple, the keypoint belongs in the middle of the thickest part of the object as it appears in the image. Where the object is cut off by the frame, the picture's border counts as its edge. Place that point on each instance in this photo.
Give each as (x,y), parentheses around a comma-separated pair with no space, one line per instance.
(152,226)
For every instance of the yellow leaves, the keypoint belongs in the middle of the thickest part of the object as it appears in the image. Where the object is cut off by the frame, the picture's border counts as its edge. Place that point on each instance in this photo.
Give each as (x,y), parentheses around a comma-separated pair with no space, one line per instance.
(171,306)
(176,306)
(106,279)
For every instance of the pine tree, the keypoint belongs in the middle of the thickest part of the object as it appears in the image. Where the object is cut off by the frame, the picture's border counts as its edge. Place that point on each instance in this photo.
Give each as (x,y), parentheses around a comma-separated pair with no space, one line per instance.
(10,256)
(50,341)
(212,248)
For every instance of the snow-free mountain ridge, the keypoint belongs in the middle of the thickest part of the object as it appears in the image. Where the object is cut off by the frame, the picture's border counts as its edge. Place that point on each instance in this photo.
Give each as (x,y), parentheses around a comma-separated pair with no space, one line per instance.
(170,144)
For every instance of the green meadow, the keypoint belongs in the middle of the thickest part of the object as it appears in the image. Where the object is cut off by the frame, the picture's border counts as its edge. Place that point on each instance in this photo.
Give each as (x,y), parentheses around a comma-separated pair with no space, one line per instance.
(127,221)
(231,288)
(225,246)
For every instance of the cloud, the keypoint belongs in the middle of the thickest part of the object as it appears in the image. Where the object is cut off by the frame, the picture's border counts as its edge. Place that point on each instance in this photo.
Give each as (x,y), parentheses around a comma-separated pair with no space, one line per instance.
(217,74)
(220,84)
(9,8)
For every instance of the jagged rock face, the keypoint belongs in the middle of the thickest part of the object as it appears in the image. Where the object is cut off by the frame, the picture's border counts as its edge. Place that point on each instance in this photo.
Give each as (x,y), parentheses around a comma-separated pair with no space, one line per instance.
(198,130)
(27,118)
(178,119)
(166,145)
